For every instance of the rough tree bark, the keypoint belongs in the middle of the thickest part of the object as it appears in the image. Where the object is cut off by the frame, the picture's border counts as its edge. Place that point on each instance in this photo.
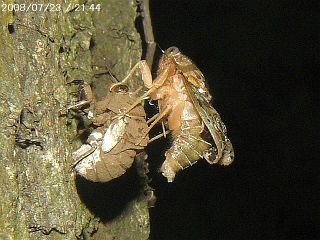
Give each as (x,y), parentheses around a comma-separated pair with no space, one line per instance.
(41,51)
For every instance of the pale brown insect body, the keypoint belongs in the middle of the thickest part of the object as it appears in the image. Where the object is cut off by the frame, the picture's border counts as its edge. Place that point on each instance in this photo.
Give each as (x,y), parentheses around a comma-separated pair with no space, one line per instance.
(184,102)
(182,119)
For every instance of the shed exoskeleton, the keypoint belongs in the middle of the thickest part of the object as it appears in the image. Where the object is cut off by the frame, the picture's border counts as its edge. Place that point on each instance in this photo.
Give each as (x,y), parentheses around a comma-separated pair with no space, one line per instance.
(111,147)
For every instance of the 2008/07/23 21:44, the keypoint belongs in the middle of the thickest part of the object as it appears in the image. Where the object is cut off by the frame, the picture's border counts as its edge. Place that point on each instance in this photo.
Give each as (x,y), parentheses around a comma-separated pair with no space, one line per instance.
(50,7)
(83,7)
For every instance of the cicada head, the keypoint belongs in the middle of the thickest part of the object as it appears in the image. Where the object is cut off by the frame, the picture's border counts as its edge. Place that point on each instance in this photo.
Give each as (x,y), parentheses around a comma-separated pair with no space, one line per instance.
(190,71)
(180,59)
(167,60)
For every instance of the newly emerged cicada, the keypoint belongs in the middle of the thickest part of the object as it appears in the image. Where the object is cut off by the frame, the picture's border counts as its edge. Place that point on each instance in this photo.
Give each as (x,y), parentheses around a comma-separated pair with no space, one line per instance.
(185,107)
(111,147)
(182,93)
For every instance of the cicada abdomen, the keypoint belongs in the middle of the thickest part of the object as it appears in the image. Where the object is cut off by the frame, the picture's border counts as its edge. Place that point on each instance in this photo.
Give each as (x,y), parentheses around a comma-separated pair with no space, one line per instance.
(187,148)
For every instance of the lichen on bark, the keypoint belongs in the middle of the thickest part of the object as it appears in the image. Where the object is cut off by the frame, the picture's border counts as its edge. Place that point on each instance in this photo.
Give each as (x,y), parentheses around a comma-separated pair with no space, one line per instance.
(41,51)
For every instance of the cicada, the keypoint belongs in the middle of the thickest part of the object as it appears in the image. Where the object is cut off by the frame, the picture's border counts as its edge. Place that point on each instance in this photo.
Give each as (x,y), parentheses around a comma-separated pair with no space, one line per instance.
(184,94)
(111,147)
(185,107)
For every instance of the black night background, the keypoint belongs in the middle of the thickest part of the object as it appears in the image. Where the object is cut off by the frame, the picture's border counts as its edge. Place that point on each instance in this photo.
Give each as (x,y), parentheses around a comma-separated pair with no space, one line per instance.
(261,60)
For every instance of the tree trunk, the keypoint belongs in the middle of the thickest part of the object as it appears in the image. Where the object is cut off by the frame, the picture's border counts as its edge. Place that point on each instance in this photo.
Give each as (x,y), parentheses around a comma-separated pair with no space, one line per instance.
(42,51)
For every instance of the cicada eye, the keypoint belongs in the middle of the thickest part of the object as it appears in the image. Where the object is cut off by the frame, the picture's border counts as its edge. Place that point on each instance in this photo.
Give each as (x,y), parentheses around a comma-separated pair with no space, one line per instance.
(172,51)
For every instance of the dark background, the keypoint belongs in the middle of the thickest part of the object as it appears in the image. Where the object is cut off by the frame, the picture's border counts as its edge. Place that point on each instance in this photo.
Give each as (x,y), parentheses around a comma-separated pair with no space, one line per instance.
(261,60)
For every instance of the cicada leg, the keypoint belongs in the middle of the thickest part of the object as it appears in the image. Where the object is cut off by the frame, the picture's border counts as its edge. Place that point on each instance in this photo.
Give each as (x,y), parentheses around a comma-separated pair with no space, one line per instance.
(159,136)
(84,151)
(145,73)
(153,118)
(159,117)
(164,132)
(163,127)
(152,86)
(147,80)
(156,120)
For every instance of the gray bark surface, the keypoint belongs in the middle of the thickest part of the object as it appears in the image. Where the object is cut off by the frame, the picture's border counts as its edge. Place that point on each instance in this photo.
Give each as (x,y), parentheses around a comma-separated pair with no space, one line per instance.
(42,51)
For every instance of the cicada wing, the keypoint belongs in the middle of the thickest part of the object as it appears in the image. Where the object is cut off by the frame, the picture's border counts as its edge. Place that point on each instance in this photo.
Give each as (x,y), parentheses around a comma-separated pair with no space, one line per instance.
(223,154)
